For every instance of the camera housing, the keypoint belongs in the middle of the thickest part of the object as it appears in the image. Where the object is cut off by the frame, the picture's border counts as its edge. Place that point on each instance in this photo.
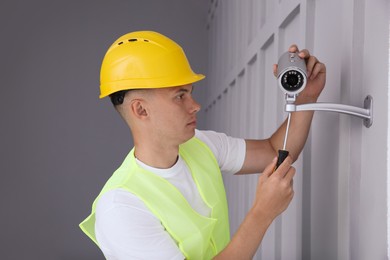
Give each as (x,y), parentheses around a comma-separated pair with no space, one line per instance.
(292,73)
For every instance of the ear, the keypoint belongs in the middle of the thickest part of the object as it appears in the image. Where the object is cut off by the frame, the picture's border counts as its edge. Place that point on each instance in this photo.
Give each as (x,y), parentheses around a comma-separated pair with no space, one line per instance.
(138,108)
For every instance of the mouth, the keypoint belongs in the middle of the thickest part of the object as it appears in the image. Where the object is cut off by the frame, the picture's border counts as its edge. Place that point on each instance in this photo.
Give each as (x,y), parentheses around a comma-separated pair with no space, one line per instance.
(192,123)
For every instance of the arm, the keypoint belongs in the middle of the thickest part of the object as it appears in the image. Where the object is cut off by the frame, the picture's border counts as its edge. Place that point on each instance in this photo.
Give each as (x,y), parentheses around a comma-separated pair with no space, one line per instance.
(125,228)
(260,152)
(274,193)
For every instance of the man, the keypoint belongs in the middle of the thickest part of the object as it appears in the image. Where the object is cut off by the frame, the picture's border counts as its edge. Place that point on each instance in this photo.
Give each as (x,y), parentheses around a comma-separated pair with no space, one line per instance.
(167,199)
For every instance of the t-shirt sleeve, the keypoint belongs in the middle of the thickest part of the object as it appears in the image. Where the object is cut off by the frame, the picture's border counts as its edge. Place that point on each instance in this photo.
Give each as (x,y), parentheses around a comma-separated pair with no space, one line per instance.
(229,151)
(126,229)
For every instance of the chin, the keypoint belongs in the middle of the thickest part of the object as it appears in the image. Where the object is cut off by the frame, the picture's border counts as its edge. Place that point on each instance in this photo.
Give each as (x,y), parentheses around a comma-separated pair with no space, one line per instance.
(189,136)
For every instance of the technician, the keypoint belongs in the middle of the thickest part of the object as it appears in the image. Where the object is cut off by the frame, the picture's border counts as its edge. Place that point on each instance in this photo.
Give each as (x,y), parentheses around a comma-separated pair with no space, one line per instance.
(167,199)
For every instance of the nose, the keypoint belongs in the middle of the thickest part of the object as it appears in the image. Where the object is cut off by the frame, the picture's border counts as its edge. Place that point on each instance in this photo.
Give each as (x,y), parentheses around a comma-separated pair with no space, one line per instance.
(195,106)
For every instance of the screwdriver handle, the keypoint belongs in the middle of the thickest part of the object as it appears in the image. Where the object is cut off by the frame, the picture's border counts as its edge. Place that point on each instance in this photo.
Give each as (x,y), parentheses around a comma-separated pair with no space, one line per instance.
(282,154)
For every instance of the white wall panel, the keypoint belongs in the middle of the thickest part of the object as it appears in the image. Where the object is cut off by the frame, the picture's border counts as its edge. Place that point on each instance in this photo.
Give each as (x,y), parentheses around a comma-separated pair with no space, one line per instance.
(269,124)
(372,209)
(242,109)
(268,83)
(334,190)
(254,117)
(269,8)
(254,99)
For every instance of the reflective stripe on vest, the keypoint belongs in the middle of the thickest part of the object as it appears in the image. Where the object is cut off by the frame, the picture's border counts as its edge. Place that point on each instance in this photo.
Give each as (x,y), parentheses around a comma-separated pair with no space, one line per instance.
(198,237)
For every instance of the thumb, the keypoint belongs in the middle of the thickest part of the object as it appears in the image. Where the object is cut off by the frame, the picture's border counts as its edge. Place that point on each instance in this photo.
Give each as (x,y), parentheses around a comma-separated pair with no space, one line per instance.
(270,168)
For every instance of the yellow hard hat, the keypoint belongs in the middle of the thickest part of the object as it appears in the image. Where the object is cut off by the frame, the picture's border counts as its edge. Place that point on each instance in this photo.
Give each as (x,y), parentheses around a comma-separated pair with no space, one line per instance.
(144,59)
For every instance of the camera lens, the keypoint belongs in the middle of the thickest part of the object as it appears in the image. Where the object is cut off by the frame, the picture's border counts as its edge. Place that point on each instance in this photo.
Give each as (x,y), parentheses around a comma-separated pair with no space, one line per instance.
(292,80)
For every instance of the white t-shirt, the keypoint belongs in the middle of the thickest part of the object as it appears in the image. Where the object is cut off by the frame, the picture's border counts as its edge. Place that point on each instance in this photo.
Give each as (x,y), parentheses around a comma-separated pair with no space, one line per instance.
(126,229)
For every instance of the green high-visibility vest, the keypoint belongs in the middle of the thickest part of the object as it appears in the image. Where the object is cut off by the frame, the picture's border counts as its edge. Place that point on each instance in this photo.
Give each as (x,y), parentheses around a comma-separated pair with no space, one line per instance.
(197,236)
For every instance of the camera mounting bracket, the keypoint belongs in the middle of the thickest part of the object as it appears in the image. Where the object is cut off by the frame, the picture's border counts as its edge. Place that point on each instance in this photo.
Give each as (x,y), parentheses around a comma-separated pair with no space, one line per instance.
(290,98)
(365,113)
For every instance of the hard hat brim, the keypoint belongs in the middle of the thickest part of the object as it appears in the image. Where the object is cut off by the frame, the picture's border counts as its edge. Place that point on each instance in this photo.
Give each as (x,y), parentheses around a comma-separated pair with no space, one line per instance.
(112,87)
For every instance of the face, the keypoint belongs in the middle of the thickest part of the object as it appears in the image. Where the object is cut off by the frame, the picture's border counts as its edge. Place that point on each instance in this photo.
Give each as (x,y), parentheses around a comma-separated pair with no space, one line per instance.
(173,113)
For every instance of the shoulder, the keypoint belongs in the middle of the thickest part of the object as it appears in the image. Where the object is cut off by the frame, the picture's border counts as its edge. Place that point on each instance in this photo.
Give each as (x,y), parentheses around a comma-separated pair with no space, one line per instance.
(212,139)
(229,151)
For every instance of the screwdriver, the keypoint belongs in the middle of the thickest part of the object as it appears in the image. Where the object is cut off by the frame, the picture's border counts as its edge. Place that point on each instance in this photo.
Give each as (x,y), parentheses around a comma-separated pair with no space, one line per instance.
(282,154)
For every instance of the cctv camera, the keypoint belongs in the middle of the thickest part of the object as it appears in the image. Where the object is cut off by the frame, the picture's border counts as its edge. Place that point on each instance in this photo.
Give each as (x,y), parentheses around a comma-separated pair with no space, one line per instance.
(292,75)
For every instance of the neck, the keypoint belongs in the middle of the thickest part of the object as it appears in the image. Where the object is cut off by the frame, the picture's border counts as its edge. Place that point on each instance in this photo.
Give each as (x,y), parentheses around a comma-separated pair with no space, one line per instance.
(157,156)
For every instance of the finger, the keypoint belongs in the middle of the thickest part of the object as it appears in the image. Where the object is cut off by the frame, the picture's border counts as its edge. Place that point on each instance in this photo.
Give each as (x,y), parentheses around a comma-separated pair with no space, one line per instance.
(269,169)
(290,174)
(293,48)
(275,69)
(318,68)
(304,54)
(284,167)
(311,62)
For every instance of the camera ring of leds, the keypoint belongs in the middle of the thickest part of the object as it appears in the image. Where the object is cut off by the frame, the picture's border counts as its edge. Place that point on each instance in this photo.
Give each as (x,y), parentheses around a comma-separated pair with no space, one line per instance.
(293,81)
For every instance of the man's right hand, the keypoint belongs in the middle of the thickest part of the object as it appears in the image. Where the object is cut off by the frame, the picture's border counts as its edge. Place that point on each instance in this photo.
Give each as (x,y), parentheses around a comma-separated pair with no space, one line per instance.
(274,189)
(274,194)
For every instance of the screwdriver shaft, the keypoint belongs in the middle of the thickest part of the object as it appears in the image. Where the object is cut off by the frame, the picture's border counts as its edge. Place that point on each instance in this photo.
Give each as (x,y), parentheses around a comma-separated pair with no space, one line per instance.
(287,128)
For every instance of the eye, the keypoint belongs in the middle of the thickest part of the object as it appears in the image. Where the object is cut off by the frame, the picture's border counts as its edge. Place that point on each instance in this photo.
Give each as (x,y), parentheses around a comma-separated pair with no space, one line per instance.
(181,96)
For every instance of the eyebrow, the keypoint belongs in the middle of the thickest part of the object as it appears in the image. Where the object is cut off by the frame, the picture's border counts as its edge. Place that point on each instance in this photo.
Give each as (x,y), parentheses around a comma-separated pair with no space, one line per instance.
(185,90)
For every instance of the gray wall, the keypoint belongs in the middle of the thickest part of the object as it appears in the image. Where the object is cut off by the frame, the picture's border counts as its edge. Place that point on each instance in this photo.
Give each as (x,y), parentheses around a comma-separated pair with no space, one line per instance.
(59,142)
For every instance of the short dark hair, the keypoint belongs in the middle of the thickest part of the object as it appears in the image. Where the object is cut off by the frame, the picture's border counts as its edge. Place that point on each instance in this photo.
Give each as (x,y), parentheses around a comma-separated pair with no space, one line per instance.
(118,97)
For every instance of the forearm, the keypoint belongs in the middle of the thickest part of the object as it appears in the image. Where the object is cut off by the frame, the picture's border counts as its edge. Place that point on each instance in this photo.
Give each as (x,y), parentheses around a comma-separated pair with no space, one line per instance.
(245,242)
(260,152)
(298,131)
